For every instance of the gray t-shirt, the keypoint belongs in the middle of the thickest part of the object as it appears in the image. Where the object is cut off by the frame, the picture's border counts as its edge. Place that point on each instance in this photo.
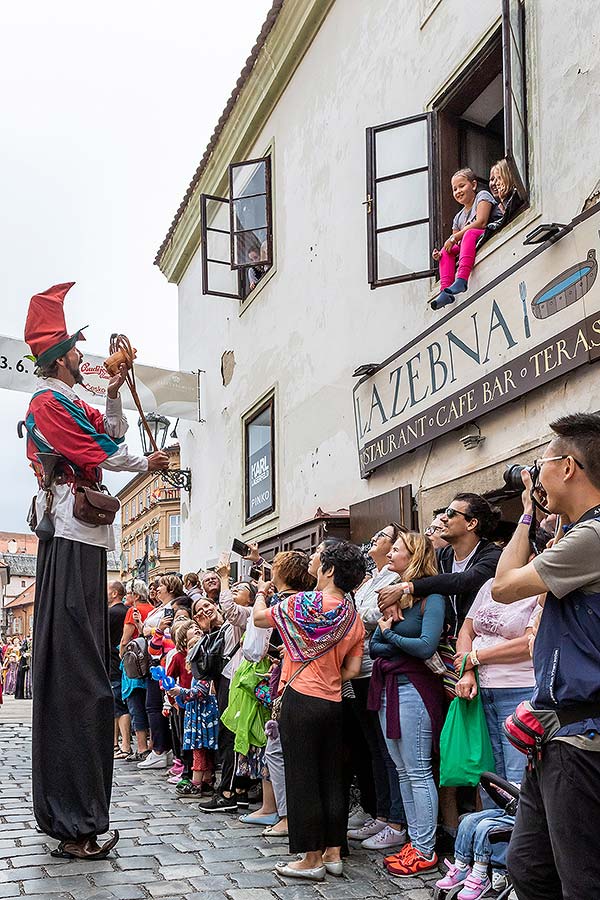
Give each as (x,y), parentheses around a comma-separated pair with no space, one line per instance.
(466,216)
(573,564)
(574,561)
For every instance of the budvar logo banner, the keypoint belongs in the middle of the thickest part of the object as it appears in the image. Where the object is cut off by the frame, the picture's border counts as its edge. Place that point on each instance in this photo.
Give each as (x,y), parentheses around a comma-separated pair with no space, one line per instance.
(539,320)
(160,390)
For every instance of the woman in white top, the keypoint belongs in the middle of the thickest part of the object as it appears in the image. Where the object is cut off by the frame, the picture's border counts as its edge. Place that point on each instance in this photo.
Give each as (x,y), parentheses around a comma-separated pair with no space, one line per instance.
(495,638)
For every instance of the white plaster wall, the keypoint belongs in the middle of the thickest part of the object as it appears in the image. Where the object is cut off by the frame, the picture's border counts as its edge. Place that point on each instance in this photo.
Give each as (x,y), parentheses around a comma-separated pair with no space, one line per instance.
(317,319)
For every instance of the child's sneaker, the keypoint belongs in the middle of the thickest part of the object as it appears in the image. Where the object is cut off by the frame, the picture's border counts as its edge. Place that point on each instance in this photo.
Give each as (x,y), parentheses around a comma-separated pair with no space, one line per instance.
(453,876)
(412,863)
(499,880)
(176,768)
(475,887)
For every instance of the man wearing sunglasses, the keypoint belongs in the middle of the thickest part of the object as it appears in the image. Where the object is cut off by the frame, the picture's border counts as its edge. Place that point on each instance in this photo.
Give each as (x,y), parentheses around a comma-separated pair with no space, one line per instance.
(465,564)
(553,852)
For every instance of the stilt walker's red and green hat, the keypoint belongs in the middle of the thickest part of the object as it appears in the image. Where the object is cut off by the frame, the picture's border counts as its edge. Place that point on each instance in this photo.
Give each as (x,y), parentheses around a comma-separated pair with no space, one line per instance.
(45,328)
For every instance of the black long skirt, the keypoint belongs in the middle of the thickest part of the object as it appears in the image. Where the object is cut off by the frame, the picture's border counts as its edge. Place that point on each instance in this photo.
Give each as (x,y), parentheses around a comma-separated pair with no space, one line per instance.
(72,753)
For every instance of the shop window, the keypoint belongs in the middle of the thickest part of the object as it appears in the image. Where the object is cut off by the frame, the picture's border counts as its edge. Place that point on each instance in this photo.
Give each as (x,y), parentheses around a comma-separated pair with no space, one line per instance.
(259,455)
(174,530)
(480,118)
(237,232)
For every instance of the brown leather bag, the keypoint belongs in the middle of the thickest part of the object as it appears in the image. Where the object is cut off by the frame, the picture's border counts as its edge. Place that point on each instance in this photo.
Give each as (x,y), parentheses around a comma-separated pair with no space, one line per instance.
(93,506)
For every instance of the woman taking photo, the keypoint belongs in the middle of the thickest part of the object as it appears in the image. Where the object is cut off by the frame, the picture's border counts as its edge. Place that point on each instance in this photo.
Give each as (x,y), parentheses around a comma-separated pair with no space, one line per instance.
(410,700)
(323,639)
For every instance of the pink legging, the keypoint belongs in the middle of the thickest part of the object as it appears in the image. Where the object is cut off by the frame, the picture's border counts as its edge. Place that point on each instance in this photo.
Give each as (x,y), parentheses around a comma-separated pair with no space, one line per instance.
(465,250)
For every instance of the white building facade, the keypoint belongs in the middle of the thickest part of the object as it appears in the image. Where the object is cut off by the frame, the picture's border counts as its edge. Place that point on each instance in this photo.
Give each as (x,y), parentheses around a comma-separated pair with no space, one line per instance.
(336,222)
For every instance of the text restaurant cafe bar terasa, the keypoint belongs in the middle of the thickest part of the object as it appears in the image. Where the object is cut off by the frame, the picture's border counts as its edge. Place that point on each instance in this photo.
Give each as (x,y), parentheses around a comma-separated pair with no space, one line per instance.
(522,335)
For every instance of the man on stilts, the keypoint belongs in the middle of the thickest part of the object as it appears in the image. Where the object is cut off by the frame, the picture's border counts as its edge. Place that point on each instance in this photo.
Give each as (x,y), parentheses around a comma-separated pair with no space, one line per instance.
(73,711)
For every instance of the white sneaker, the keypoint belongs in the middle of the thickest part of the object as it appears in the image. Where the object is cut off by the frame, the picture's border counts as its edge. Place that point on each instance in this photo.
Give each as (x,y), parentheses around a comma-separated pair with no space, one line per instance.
(387,837)
(358,819)
(499,880)
(154,761)
(371,827)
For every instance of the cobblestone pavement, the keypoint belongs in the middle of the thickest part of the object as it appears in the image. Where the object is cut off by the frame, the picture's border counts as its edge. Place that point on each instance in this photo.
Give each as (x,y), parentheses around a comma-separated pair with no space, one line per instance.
(167,848)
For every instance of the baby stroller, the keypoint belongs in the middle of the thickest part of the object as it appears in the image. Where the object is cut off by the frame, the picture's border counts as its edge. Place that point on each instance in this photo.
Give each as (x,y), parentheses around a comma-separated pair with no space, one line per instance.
(505,796)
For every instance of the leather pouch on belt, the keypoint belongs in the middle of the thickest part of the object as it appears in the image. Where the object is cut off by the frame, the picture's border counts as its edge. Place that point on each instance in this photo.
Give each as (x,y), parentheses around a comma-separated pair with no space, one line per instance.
(94,507)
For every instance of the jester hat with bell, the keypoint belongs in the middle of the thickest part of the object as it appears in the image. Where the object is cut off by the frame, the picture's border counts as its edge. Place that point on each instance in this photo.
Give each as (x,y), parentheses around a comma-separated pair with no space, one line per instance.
(45,328)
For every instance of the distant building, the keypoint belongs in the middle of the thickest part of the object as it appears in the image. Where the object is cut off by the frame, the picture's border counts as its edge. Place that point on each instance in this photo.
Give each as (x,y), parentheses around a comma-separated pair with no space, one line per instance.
(19,612)
(150,524)
(18,554)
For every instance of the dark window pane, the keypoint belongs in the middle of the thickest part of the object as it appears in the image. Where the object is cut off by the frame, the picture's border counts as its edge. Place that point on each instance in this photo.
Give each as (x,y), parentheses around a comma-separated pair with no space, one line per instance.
(250,213)
(250,247)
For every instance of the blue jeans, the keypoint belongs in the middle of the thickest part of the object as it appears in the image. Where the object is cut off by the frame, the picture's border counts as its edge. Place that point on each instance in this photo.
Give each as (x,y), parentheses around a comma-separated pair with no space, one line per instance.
(498,703)
(412,757)
(472,840)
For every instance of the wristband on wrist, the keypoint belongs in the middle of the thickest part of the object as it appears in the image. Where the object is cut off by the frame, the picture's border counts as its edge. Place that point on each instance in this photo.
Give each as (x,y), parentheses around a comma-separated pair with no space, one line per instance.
(474,658)
(406,587)
(526,519)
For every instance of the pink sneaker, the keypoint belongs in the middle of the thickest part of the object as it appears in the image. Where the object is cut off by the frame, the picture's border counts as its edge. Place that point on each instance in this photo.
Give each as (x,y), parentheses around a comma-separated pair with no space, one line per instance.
(475,887)
(176,768)
(453,876)
(174,779)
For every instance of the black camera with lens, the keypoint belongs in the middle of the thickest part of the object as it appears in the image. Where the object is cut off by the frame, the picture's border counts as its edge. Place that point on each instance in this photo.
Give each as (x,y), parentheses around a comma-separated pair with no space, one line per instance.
(512,476)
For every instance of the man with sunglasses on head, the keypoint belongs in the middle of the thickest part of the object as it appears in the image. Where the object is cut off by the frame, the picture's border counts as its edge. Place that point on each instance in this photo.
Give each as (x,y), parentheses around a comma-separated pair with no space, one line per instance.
(553,852)
(465,564)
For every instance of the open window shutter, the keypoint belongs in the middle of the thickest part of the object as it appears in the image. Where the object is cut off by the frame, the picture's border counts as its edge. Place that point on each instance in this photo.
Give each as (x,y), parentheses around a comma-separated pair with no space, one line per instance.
(515,118)
(400,200)
(250,213)
(218,278)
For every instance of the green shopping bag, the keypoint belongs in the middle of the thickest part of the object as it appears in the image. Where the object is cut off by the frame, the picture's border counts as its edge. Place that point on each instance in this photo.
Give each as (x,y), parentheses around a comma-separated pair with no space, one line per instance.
(465,746)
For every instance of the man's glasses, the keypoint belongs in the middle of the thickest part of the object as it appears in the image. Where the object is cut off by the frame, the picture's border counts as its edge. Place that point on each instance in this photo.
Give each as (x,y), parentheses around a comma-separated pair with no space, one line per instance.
(432,529)
(538,463)
(451,512)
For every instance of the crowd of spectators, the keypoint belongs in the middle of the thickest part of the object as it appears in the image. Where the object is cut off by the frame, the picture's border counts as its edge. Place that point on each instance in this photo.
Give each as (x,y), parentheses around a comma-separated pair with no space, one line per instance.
(311,700)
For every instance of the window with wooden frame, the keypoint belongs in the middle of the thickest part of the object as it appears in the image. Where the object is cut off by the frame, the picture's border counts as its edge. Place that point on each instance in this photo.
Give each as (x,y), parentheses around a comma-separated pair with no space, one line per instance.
(237,232)
(480,118)
(259,462)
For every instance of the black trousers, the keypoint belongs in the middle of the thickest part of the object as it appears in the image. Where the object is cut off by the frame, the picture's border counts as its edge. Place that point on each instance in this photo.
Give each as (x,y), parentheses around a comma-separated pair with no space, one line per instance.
(311,737)
(159,724)
(554,852)
(185,756)
(73,706)
(368,722)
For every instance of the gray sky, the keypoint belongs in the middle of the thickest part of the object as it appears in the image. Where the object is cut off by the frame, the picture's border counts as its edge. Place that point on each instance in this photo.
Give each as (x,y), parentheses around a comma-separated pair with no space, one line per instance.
(106,111)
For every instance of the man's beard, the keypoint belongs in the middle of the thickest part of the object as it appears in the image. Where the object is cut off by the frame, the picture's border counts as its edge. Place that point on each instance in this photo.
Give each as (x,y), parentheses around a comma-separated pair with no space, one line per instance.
(75,373)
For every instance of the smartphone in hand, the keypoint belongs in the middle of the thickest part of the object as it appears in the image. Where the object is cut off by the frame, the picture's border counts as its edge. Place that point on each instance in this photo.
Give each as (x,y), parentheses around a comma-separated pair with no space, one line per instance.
(240,547)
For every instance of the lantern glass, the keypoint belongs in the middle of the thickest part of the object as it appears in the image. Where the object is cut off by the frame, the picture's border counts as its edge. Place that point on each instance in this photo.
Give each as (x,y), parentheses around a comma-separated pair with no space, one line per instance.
(159,426)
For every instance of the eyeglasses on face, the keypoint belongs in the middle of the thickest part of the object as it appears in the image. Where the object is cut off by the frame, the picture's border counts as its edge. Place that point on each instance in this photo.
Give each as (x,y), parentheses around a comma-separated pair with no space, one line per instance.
(538,463)
(381,534)
(451,512)
(432,529)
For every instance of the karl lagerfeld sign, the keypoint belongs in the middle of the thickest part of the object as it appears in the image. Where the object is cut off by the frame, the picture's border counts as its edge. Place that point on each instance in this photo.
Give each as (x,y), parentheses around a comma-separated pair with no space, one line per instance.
(536,322)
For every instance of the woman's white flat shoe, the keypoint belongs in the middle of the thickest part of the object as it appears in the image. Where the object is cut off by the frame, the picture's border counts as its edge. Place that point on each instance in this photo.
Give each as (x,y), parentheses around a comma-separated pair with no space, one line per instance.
(335,868)
(316,874)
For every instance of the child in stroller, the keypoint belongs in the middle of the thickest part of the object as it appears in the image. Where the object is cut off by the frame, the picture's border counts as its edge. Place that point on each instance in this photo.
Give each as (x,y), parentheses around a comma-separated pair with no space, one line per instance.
(476,834)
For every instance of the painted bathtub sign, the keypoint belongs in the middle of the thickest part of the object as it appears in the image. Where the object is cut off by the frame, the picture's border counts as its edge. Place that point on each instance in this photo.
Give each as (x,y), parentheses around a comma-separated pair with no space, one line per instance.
(537,321)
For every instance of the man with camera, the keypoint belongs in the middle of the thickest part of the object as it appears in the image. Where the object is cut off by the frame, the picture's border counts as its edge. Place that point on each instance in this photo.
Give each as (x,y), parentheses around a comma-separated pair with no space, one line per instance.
(553,852)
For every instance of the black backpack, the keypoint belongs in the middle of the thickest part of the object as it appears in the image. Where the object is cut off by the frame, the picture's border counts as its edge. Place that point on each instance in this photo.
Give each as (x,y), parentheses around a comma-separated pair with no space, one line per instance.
(136,661)
(207,658)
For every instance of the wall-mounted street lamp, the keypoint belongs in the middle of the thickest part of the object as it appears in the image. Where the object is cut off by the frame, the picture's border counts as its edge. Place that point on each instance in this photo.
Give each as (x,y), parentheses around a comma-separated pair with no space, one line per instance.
(545,232)
(159,427)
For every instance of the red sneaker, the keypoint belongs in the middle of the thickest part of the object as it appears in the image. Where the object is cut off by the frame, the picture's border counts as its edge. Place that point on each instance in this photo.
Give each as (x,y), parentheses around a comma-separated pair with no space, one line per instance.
(413,863)
(395,857)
